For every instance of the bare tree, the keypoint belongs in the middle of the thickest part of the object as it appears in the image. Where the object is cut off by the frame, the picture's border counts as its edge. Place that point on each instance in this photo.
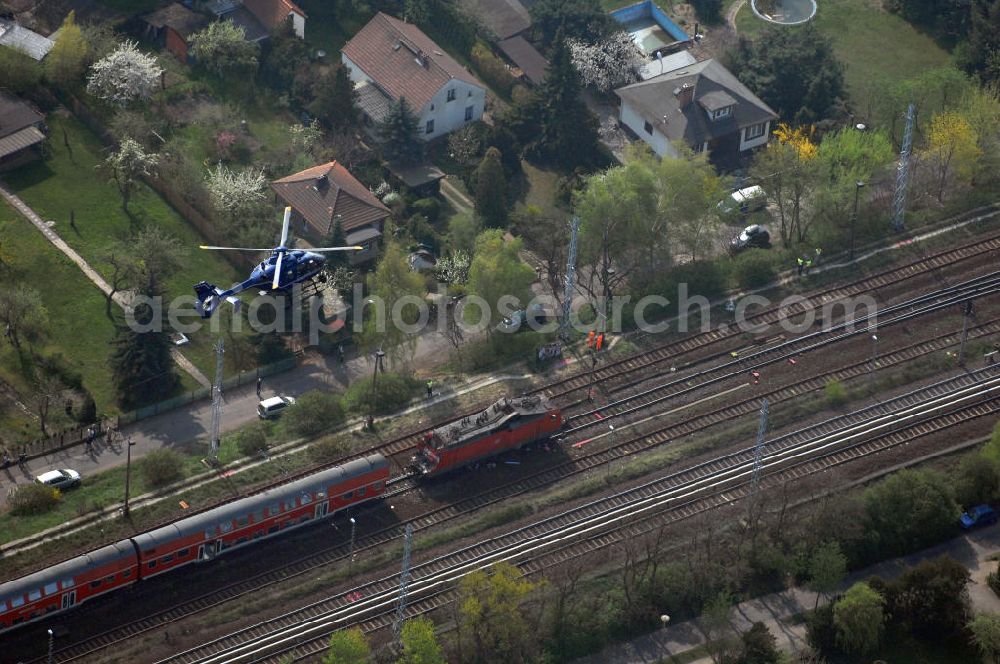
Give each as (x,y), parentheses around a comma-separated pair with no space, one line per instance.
(46,391)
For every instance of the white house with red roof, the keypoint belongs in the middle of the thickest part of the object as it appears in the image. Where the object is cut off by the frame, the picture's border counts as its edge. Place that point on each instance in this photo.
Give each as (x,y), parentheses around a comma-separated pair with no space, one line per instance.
(389,59)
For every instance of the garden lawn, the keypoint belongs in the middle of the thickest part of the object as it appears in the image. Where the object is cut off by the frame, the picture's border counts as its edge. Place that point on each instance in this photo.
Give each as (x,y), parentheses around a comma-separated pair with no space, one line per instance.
(78,329)
(327,29)
(71,181)
(866,39)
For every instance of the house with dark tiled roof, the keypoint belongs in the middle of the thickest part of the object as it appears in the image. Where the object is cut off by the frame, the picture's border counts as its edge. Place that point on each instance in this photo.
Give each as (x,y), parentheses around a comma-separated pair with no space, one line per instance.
(22,131)
(172,25)
(389,59)
(701,105)
(326,194)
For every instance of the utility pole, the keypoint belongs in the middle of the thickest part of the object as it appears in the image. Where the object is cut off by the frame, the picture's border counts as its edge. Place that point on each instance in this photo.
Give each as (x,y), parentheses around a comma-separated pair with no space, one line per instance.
(903,172)
(965,332)
(404,582)
(354,525)
(758,455)
(574,228)
(213,454)
(378,366)
(874,362)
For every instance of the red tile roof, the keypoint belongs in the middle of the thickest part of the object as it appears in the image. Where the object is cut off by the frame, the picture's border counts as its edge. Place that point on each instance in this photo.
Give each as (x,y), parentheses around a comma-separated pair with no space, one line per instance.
(322,192)
(403,60)
(271,13)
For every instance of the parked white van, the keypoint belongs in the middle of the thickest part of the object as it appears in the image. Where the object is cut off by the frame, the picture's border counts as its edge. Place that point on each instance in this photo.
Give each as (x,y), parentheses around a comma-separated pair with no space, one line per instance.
(273,406)
(745,200)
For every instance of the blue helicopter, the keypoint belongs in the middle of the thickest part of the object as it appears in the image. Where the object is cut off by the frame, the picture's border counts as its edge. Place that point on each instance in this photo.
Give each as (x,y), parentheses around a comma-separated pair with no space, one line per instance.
(278,273)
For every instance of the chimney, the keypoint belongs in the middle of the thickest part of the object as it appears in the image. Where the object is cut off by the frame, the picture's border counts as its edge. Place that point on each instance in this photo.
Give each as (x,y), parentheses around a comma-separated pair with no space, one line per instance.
(684,94)
(320,183)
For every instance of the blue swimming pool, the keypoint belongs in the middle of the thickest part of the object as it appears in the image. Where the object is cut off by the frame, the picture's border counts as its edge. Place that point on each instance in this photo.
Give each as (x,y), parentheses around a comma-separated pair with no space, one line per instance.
(649,26)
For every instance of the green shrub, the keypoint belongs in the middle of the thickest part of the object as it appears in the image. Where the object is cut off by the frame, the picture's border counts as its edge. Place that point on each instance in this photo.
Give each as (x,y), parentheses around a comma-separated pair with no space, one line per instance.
(314,413)
(422,231)
(328,449)
(394,393)
(492,70)
(993,580)
(33,499)
(753,269)
(251,440)
(836,393)
(429,207)
(162,467)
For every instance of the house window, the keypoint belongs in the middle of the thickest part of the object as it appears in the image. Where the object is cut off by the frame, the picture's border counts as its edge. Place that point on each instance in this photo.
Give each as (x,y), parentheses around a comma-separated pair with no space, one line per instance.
(430,127)
(722,113)
(468,113)
(451,94)
(755,131)
(648,127)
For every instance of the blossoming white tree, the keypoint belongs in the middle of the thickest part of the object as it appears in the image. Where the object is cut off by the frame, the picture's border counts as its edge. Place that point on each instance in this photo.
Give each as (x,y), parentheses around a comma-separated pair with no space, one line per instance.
(127,164)
(235,192)
(124,75)
(607,64)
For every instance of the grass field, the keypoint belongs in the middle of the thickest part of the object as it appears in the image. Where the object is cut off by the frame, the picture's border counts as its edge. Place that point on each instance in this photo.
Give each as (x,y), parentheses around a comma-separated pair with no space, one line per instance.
(78,328)
(70,180)
(866,39)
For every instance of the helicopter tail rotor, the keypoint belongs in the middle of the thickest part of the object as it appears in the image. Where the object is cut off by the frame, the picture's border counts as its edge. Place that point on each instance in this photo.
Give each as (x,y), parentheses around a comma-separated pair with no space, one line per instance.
(208,298)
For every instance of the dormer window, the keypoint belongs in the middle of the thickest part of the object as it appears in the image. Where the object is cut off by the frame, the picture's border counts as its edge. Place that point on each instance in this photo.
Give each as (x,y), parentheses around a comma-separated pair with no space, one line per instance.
(722,113)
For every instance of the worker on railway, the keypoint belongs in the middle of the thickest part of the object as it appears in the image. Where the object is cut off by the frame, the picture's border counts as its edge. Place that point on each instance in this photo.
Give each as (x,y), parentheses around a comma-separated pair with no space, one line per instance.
(801,263)
(755,377)
(809,264)
(819,252)
(430,388)
(734,354)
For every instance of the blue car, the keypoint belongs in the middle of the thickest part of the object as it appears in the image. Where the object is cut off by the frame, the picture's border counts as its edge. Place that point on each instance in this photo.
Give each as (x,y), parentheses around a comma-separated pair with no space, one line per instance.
(978,516)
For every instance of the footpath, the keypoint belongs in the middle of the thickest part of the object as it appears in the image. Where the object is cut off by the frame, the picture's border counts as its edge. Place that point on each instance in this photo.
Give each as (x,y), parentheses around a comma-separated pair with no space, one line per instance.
(782,612)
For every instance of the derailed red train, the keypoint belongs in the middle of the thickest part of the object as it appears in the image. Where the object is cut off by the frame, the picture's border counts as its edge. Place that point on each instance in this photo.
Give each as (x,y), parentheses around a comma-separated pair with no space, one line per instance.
(505,425)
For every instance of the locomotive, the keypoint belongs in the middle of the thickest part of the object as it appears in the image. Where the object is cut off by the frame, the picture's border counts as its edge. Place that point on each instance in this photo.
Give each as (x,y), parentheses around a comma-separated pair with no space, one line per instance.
(507,424)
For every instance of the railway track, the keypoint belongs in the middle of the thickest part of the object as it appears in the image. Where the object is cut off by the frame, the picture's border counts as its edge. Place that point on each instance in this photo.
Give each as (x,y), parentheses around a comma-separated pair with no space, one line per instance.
(771,316)
(574,466)
(601,523)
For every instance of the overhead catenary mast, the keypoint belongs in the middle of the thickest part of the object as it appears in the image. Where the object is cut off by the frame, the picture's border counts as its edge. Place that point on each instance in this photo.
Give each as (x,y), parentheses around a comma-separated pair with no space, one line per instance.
(570,278)
(903,172)
(213,454)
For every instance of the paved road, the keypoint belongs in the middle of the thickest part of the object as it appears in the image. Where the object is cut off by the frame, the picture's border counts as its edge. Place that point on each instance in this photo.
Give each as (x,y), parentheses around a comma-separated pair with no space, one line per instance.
(776,610)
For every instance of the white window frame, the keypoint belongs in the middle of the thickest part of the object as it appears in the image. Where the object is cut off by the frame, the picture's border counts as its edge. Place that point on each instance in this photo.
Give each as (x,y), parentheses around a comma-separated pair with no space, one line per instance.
(722,113)
(747,132)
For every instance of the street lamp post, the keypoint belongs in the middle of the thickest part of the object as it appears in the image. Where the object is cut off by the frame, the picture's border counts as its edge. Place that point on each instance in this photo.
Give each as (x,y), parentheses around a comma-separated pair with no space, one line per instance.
(52,640)
(128,474)
(664,621)
(854,215)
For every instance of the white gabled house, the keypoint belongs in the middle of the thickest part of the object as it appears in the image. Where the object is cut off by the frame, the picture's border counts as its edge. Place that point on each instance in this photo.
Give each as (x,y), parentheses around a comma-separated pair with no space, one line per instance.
(389,59)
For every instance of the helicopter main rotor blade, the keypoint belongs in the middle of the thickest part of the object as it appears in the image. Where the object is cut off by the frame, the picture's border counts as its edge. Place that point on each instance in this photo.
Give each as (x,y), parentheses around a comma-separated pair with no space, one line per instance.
(277,272)
(336,249)
(284,226)
(202,246)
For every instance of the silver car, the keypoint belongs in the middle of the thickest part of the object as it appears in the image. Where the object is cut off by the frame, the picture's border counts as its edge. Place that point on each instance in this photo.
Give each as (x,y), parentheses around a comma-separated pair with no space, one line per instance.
(63,478)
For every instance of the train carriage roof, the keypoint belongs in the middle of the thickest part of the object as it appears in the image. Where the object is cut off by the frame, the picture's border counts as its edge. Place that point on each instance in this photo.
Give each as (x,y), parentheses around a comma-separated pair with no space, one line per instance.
(69,569)
(313,484)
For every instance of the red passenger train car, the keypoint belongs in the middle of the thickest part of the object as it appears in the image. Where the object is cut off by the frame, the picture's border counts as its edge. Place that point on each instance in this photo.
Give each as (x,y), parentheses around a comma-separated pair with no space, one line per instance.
(508,424)
(197,538)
